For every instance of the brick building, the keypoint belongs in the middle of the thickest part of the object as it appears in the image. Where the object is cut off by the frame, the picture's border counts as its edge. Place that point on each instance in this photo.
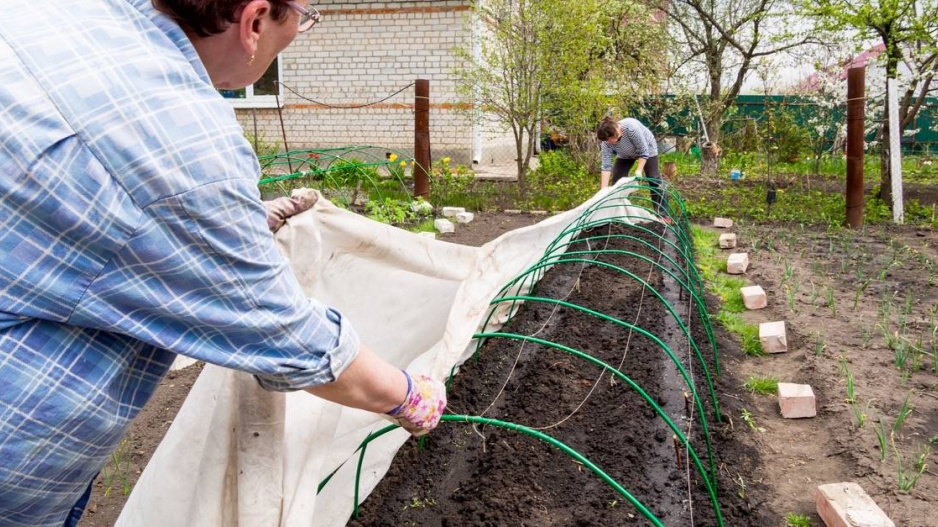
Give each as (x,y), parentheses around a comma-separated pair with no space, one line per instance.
(361,53)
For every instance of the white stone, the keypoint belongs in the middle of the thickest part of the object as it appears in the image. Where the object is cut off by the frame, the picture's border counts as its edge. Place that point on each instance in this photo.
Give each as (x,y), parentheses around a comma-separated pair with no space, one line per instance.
(444,226)
(722,223)
(728,240)
(796,400)
(464,217)
(848,505)
(512,212)
(449,212)
(754,297)
(427,234)
(772,336)
(737,263)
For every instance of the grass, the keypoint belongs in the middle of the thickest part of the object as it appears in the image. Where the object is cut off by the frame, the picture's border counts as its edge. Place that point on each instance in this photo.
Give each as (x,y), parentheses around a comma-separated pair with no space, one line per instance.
(423,226)
(726,288)
(761,385)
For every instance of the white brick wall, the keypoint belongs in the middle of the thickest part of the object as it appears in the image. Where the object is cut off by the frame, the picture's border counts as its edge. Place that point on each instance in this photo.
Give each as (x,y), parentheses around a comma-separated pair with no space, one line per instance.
(361,53)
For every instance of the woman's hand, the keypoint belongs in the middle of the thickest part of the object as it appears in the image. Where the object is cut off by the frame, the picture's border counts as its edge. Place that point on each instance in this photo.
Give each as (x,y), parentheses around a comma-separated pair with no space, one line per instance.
(422,407)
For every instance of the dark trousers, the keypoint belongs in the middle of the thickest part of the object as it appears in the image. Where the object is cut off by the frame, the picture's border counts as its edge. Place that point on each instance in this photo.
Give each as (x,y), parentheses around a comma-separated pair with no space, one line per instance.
(622,167)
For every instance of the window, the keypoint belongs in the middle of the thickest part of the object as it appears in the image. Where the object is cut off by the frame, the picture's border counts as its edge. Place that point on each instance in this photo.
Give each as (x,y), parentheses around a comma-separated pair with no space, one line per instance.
(261,94)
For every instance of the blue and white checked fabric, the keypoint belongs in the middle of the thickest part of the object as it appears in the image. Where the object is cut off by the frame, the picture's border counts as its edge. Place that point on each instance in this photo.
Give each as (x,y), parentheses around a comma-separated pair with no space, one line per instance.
(131,229)
(637,141)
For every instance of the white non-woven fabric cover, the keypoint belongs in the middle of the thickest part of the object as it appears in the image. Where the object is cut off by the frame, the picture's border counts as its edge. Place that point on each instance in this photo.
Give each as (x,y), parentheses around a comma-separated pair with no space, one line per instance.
(237,455)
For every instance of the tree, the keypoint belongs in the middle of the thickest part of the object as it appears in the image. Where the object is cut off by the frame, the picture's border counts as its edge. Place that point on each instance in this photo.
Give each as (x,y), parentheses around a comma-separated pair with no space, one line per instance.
(566,60)
(908,30)
(722,39)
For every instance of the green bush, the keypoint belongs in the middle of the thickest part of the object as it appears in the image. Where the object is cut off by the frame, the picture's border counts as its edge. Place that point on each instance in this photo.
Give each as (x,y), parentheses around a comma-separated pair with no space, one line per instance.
(558,183)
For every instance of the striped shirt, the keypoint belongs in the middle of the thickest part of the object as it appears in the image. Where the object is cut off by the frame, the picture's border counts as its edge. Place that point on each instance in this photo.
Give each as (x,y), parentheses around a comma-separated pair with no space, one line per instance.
(637,141)
(131,230)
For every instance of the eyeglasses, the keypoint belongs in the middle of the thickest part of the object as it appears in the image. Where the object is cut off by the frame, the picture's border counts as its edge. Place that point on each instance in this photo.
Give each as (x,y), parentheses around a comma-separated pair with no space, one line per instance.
(309,17)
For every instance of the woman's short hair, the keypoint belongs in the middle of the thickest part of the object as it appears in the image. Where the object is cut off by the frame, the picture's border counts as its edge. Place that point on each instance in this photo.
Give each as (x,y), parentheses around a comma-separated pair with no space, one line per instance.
(607,129)
(205,18)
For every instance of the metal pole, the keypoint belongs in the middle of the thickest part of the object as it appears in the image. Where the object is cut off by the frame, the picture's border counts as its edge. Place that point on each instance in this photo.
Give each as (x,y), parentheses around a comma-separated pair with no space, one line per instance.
(422,138)
(895,152)
(856,104)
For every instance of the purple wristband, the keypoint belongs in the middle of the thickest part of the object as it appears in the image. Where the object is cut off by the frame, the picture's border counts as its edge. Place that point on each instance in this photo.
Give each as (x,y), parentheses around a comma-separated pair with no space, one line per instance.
(410,386)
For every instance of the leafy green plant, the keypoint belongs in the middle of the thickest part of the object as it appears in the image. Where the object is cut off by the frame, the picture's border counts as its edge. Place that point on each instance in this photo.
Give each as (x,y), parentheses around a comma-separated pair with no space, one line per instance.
(831,302)
(390,211)
(797,520)
(761,385)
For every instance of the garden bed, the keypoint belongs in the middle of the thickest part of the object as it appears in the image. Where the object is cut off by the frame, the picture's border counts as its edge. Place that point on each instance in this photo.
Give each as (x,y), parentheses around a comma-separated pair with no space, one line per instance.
(475,475)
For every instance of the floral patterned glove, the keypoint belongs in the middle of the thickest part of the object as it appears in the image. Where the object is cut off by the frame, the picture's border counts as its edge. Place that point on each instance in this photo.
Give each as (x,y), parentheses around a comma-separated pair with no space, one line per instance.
(282,208)
(422,407)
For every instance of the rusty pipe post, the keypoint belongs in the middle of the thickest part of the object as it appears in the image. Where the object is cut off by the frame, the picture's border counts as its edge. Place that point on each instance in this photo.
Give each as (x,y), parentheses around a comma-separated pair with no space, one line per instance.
(856,104)
(422,138)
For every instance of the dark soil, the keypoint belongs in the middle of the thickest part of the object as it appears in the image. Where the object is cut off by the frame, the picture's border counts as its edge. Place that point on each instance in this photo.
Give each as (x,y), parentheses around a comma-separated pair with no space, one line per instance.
(507,478)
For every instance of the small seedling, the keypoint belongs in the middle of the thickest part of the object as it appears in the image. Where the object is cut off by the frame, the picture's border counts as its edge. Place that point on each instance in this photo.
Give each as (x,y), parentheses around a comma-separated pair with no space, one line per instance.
(790,295)
(880,430)
(761,385)
(789,272)
(742,486)
(830,301)
(748,419)
(904,412)
(797,520)
(859,292)
(866,335)
(819,344)
(906,479)
(848,377)
(861,414)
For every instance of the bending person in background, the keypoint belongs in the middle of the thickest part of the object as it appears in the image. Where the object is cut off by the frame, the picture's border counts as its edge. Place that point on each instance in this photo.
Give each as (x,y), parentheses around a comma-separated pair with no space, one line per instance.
(132,230)
(633,144)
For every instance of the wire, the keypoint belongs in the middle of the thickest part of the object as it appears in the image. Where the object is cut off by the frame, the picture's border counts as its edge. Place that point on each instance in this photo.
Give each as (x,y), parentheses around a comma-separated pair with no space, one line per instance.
(343,107)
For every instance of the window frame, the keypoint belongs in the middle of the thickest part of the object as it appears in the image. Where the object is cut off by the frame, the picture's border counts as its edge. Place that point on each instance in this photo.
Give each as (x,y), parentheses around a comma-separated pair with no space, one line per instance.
(260,101)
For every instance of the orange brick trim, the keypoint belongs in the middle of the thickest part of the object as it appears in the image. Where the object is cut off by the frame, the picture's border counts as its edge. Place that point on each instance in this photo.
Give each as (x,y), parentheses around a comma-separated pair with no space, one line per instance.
(394,10)
(441,106)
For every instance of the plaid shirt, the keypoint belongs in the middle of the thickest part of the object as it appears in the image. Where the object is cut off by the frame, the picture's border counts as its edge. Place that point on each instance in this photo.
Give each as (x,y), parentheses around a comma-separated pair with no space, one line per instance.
(637,141)
(131,229)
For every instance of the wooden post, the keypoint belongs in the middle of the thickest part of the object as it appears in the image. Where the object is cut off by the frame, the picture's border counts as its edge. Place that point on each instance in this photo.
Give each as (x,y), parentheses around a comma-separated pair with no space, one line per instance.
(422,139)
(856,104)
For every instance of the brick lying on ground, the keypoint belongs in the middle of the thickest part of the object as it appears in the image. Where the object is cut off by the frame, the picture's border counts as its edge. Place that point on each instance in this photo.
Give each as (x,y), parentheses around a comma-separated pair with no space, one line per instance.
(754,297)
(737,263)
(449,212)
(512,212)
(796,401)
(847,505)
(464,217)
(722,223)
(444,226)
(728,240)
(772,336)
